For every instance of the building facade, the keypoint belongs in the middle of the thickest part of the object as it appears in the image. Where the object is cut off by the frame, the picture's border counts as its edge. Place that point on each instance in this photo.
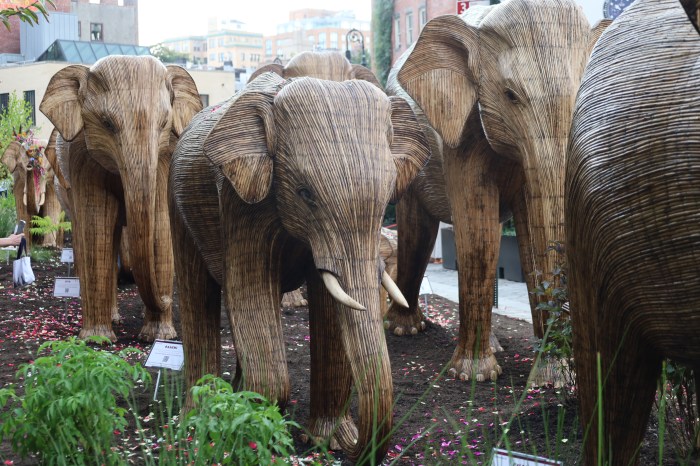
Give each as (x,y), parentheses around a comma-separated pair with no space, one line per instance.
(314,29)
(194,46)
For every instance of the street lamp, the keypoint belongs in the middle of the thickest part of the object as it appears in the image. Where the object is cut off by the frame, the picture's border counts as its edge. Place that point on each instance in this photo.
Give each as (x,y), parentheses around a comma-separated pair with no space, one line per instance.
(354,35)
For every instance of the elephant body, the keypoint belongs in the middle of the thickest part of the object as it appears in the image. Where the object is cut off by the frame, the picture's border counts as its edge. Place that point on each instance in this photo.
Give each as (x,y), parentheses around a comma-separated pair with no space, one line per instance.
(285,182)
(633,219)
(34,191)
(118,122)
(498,85)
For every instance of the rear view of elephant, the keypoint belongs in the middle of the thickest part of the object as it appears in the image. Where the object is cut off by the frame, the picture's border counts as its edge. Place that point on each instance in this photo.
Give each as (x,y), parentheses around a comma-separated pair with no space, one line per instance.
(633,219)
(33,177)
(285,182)
(498,84)
(118,121)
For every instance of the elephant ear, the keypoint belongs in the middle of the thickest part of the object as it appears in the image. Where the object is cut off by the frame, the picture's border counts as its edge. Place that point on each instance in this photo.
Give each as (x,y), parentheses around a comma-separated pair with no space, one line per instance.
(409,145)
(11,156)
(272,68)
(61,102)
(441,74)
(241,144)
(186,100)
(596,31)
(364,73)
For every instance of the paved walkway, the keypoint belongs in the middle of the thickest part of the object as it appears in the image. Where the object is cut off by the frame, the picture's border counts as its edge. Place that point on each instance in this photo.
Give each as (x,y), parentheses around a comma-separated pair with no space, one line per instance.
(512,296)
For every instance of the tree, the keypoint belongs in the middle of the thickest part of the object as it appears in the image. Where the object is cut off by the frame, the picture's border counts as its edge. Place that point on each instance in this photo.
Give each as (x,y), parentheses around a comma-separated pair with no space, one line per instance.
(27,14)
(382,20)
(167,55)
(15,117)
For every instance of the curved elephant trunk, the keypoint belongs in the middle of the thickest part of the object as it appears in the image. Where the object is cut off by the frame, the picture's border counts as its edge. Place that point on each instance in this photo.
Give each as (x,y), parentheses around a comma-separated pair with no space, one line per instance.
(362,334)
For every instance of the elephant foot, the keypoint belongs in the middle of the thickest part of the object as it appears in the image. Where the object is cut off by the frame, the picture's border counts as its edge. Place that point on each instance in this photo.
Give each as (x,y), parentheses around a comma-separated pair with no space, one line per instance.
(116,318)
(97,331)
(494,343)
(157,330)
(550,371)
(327,429)
(294,299)
(402,323)
(465,366)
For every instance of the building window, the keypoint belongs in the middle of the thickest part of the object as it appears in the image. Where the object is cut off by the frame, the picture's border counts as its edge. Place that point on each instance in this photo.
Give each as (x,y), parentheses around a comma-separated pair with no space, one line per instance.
(96,32)
(322,40)
(212,57)
(221,42)
(205,99)
(334,40)
(397,33)
(212,43)
(422,18)
(80,30)
(30,99)
(4,102)
(242,56)
(409,29)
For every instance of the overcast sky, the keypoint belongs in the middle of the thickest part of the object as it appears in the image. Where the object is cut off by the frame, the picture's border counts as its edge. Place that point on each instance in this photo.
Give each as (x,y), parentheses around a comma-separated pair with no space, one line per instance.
(159,20)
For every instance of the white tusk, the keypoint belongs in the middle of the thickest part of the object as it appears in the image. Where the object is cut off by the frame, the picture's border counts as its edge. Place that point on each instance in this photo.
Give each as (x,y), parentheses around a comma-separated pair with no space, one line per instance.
(338,293)
(393,290)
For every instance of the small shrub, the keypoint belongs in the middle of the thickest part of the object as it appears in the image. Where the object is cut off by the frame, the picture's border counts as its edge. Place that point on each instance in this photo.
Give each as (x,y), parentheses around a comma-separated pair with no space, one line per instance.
(679,393)
(46,225)
(8,213)
(230,427)
(68,413)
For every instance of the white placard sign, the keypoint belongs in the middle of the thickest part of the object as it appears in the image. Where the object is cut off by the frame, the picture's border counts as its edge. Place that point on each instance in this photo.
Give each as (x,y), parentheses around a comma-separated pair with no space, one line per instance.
(66,287)
(506,458)
(166,353)
(425,287)
(67,255)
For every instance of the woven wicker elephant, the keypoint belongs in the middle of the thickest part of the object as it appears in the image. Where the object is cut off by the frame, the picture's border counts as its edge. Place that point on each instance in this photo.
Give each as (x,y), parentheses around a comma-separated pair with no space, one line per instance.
(33,183)
(633,219)
(285,182)
(498,84)
(118,121)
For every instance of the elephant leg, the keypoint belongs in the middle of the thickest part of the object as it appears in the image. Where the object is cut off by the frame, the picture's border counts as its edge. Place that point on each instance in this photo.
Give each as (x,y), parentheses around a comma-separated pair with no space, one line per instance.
(294,299)
(96,214)
(200,310)
(477,240)
(331,375)
(417,231)
(158,323)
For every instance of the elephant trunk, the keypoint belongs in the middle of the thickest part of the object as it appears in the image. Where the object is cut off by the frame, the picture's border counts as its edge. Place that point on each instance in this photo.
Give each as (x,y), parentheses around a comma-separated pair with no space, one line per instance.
(362,334)
(32,193)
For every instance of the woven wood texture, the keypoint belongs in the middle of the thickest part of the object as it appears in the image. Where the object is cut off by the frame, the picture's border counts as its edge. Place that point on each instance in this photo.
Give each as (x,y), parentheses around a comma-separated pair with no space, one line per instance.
(120,117)
(280,182)
(632,216)
(498,84)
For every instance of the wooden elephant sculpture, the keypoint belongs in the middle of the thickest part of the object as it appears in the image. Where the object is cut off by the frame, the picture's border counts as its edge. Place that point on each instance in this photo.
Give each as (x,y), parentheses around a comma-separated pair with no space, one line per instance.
(33,188)
(498,85)
(285,182)
(632,211)
(118,122)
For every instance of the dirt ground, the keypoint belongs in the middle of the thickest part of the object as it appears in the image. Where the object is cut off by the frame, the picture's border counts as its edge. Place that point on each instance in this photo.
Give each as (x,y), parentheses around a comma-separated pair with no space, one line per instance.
(439,420)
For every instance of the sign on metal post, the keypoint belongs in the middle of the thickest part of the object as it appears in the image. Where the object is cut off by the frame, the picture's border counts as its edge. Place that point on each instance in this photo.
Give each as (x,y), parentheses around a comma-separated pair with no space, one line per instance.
(167,354)
(66,287)
(512,458)
(462,7)
(67,255)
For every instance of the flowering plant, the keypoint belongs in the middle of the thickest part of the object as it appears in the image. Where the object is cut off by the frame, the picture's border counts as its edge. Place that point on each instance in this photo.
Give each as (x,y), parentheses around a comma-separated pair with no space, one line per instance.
(35,151)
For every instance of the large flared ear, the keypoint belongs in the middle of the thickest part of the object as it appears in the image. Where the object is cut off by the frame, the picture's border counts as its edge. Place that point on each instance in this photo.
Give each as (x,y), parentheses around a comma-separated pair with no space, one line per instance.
(596,31)
(61,103)
(409,145)
(272,68)
(241,144)
(441,74)
(11,156)
(186,100)
(364,73)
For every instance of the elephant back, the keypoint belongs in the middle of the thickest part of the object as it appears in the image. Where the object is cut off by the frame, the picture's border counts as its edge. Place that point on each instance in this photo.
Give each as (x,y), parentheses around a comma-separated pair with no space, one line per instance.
(633,171)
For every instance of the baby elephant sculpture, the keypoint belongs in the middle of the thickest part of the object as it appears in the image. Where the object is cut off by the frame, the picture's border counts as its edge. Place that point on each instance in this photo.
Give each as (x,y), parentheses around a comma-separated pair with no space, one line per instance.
(118,121)
(633,219)
(33,183)
(289,181)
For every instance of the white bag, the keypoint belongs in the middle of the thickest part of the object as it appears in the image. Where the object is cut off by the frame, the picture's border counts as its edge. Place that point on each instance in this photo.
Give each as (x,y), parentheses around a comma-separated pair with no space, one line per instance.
(22,273)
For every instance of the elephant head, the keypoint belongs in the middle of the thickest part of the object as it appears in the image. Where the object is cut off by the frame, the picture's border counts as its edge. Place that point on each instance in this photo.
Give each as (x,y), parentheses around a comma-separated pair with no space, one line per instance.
(126,109)
(332,66)
(31,170)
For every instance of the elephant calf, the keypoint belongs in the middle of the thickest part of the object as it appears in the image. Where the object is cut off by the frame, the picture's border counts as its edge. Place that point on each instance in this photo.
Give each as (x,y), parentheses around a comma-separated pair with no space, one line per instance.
(284,182)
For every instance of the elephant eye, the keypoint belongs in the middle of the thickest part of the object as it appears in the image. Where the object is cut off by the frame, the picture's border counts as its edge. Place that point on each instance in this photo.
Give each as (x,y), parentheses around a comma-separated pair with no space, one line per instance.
(306,195)
(108,125)
(512,96)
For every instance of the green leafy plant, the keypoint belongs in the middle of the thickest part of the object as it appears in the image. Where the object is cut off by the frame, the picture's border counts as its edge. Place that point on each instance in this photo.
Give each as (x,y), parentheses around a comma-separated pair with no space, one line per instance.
(68,412)
(678,409)
(382,20)
(8,214)
(26,14)
(17,114)
(229,427)
(46,226)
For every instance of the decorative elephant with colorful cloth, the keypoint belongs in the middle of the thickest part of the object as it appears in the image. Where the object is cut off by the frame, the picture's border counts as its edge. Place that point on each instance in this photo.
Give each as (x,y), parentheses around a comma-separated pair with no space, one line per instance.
(33,182)
(498,84)
(288,181)
(118,121)
(633,220)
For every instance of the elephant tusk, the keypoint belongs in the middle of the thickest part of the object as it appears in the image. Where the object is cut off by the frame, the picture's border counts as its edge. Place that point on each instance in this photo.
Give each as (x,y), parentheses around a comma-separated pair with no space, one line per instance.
(338,293)
(393,290)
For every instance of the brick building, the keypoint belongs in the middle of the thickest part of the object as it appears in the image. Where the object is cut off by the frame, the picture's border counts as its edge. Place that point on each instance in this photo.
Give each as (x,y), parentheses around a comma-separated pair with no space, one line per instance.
(411,15)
